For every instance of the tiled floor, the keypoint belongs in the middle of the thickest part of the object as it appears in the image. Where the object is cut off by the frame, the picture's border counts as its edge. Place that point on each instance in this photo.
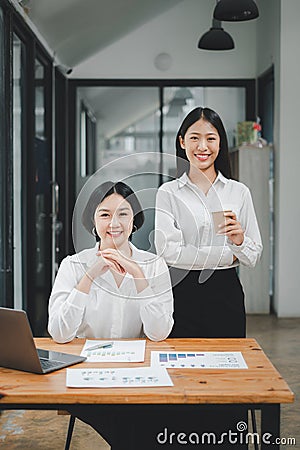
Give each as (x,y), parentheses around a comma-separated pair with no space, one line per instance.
(46,430)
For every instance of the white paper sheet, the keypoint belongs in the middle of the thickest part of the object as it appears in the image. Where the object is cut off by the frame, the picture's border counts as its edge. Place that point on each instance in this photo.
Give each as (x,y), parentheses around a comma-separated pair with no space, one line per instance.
(119,377)
(120,351)
(198,360)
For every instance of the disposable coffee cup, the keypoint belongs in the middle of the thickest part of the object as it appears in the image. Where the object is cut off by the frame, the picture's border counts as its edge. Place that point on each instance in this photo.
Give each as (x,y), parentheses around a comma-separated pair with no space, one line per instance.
(218,218)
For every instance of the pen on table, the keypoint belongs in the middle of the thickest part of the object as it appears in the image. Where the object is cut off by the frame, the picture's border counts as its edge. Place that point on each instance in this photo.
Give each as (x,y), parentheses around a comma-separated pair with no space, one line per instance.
(104,345)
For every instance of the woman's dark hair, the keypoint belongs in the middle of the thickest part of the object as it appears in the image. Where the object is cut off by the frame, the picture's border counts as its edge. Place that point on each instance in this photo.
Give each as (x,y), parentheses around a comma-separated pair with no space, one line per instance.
(222,162)
(105,190)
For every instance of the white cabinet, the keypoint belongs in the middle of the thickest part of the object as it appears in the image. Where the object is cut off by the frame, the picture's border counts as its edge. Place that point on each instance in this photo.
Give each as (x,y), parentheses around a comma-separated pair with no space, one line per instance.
(253,167)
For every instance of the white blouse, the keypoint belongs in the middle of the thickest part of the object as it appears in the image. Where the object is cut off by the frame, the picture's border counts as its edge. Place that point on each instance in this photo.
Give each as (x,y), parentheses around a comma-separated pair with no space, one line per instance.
(109,311)
(184,231)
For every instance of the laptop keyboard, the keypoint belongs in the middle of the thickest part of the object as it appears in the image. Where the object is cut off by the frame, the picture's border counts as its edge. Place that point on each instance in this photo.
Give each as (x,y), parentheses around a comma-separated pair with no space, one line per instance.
(46,364)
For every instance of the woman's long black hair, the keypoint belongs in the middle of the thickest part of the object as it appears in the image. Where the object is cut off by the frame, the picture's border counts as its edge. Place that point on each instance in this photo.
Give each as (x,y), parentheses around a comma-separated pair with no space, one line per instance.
(222,162)
(105,190)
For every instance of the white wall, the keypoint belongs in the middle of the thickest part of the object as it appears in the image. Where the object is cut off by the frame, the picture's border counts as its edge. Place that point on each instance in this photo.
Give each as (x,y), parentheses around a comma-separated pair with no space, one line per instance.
(268,35)
(177,33)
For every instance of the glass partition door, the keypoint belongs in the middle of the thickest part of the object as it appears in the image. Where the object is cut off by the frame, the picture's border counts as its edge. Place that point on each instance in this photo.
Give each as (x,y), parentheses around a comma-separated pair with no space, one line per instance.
(31,152)
(42,198)
(26,170)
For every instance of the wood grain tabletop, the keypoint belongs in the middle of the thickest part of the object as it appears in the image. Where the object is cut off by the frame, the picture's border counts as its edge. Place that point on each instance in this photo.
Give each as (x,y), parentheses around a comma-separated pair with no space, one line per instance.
(260,383)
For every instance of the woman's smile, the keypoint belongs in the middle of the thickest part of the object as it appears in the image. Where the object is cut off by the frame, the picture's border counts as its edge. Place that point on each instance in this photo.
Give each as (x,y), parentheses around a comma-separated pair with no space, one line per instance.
(115,233)
(202,156)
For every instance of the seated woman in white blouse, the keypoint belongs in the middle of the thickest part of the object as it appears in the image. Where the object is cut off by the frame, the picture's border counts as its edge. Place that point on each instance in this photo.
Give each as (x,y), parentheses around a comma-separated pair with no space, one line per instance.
(113,290)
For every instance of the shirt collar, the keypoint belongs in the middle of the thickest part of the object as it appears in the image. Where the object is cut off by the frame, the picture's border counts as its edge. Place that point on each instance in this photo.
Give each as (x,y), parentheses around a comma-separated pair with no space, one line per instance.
(220,177)
(184,179)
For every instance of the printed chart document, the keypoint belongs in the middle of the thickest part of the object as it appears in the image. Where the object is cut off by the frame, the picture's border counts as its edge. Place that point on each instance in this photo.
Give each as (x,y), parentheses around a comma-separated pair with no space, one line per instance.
(119,377)
(114,351)
(199,360)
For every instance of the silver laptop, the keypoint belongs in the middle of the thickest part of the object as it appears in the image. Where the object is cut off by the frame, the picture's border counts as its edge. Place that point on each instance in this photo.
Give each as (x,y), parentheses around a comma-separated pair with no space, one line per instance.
(18,350)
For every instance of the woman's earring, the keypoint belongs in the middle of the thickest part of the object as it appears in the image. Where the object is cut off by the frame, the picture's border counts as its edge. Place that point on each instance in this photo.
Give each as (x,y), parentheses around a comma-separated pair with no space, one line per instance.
(94,232)
(134,228)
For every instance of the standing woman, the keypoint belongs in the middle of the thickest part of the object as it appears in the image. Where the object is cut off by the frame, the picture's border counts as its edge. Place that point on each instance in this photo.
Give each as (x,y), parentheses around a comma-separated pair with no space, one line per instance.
(208,296)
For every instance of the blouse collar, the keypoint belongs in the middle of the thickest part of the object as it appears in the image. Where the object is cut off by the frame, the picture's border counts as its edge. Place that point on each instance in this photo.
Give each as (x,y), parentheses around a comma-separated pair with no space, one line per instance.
(184,179)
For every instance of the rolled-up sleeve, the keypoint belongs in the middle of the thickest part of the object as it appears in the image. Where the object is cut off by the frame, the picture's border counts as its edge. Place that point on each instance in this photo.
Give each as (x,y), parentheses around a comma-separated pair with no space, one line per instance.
(66,304)
(156,309)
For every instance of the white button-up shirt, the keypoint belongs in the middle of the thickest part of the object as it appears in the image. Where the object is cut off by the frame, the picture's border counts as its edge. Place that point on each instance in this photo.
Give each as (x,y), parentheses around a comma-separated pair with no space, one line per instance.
(109,311)
(184,231)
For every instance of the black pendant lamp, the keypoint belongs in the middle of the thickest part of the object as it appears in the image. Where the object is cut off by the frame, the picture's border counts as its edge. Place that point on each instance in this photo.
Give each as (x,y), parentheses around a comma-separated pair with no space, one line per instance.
(236,10)
(216,38)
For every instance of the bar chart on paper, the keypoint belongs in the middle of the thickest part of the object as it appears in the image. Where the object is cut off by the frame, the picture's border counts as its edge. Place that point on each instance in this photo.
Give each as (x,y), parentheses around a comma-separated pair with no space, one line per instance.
(199,360)
(114,351)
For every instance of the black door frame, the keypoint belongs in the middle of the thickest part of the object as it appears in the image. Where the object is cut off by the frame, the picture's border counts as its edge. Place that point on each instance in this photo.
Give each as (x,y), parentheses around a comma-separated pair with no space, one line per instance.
(6,183)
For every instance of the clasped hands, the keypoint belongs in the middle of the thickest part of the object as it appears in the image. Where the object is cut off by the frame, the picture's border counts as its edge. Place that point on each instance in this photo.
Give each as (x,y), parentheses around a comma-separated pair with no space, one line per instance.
(111,259)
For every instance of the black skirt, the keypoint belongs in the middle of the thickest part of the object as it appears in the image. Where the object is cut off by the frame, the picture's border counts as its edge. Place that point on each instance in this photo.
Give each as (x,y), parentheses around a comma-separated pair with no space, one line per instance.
(214,308)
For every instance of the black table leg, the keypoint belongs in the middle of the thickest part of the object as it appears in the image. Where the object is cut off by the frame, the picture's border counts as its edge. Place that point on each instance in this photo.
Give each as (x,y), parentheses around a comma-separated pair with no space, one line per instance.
(270,426)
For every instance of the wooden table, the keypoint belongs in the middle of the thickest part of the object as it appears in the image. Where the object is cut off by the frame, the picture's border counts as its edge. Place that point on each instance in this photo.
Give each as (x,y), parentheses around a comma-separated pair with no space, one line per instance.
(258,387)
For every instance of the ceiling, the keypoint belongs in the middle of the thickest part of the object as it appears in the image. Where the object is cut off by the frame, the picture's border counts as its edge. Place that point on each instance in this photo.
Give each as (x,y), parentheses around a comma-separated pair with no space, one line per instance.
(77,29)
